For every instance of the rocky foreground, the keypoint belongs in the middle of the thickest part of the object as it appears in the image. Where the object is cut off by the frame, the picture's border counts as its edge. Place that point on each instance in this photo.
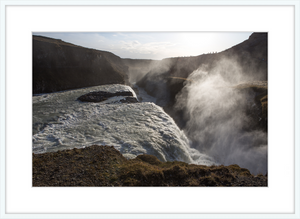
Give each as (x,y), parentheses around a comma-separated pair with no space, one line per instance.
(106,166)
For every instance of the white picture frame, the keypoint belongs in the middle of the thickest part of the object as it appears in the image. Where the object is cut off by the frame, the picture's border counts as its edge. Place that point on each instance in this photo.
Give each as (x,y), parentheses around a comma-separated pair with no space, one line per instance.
(15,125)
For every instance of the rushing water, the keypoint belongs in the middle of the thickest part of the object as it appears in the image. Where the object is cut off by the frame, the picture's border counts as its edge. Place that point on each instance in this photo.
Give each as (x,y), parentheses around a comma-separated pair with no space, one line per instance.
(60,122)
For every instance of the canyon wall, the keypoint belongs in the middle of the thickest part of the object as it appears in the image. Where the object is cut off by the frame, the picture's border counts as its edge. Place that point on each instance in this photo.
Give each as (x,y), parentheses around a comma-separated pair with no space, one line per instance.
(58,66)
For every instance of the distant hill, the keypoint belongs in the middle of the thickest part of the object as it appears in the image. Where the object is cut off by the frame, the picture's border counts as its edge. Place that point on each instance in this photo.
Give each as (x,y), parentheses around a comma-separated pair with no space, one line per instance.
(58,65)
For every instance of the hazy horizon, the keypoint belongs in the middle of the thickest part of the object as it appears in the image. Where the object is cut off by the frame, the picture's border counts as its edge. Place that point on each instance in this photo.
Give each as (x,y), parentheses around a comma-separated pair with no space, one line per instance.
(152,45)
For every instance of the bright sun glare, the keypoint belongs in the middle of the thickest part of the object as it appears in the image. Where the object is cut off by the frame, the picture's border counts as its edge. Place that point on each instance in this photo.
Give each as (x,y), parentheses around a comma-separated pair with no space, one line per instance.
(153,45)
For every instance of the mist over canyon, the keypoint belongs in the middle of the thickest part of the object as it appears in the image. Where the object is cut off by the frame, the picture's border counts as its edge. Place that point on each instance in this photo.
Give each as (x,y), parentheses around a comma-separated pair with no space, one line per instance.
(206,109)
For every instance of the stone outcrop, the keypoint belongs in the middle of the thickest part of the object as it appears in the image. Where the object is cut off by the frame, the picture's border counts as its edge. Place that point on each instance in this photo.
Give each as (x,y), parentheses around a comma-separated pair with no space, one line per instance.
(129,100)
(58,66)
(100,96)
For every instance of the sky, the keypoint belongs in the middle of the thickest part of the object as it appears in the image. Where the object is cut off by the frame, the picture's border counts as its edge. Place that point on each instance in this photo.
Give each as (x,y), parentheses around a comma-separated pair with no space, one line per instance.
(152,45)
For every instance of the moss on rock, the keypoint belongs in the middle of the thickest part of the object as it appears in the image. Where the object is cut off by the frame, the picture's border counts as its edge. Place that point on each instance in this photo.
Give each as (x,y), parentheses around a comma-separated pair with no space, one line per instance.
(106,166)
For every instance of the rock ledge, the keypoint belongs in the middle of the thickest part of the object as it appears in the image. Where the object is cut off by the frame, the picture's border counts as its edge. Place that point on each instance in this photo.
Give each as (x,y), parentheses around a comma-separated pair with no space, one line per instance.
(106,166)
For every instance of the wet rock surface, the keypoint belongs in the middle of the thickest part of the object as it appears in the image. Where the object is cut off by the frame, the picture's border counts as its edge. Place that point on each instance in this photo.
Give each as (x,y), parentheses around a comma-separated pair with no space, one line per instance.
(106,166)
(100,96)
(129,100)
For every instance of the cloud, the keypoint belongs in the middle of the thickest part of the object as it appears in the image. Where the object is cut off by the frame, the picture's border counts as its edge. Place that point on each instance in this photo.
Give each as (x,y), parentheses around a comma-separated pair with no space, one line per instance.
(145,48)
(151,45)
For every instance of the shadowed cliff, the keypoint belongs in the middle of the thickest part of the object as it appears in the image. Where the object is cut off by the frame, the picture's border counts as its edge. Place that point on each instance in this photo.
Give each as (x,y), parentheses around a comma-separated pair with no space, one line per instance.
(244,62)
(250,55)
(58,66)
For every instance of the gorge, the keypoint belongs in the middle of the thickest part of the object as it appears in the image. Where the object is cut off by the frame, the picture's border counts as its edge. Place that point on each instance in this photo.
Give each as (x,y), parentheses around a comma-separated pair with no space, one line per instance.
(208,110)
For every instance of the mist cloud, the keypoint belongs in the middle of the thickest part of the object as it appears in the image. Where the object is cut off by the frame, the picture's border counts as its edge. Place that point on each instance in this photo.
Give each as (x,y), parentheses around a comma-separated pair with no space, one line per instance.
(217,122)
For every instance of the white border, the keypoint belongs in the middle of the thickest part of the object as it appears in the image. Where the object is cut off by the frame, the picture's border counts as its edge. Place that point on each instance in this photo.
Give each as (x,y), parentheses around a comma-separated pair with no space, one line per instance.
(267,20)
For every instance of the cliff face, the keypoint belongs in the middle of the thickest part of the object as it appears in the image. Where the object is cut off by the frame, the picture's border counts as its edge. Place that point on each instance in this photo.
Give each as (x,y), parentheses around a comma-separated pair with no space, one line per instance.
(137,68)
(169,75)
(250,55)
(58,66)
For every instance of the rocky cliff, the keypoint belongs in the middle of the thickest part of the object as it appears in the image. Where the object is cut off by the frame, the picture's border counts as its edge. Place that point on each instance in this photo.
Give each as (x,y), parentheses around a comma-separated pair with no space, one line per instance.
(58,66)
(166,79)
(137,68)
(250,55)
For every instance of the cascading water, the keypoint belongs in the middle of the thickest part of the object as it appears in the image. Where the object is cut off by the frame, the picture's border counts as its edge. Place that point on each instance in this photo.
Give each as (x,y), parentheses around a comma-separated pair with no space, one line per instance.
(60,122)
(219,117)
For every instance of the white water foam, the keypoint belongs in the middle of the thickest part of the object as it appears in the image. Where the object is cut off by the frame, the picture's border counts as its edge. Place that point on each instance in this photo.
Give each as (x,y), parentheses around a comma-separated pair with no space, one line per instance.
(60,122)
(143,96)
